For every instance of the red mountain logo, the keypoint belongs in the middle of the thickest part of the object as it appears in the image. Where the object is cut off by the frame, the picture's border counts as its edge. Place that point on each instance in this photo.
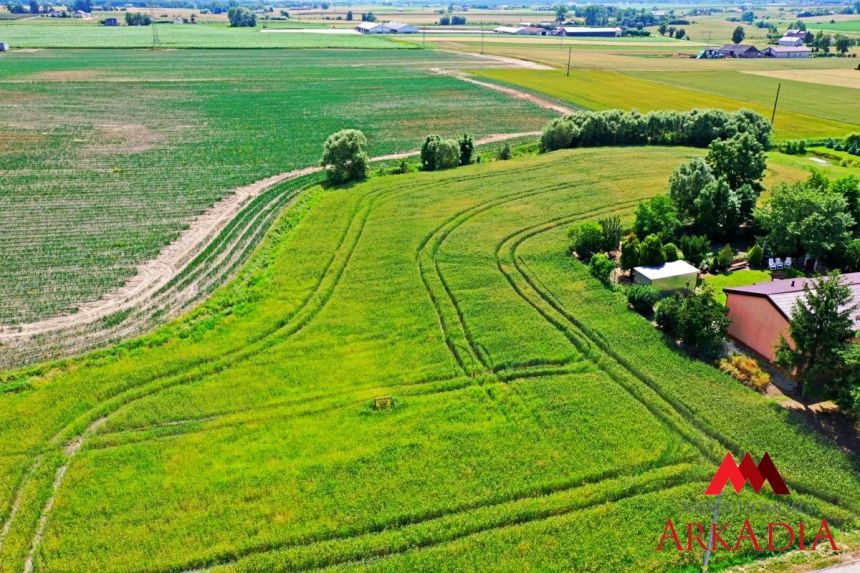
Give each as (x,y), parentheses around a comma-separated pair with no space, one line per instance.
(747,471)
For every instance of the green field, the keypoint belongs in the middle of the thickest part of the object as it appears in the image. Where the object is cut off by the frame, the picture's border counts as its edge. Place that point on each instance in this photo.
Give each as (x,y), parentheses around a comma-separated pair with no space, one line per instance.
(24,34)
(123,148)
(805,110)
(537,424)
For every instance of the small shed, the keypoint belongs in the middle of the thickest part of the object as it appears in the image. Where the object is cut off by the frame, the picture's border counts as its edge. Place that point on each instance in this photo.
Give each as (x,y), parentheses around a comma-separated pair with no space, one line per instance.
(667,277)
(3,46)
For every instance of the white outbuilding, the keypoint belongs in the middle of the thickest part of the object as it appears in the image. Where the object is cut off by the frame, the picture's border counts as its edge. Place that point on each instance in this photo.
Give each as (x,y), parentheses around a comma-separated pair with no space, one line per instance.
(4,46)
(667,277)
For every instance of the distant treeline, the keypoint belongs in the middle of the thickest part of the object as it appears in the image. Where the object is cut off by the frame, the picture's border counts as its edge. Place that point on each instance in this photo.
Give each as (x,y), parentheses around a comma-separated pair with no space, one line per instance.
(696,128)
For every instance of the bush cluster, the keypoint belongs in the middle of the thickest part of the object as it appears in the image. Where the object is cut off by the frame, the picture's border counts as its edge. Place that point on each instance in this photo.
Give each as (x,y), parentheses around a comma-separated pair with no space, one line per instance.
(697,320)
(746,371)
(696,128)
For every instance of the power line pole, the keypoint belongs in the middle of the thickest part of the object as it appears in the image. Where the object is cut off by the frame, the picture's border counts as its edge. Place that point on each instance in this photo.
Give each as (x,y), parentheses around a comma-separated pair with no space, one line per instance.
(711,534)
(569,50)
(156,41)
(482,37)
(775,100)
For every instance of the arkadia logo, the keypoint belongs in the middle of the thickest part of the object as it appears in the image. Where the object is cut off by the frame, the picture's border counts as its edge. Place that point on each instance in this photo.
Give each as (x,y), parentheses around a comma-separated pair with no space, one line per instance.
(747,471)
(739,475)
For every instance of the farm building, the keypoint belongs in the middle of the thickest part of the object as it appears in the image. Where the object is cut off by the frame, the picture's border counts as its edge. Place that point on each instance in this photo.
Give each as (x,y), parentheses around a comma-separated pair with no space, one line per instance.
(370,28)
(400,28)
(788,52)
(4,46)
(583,31)
(522,30)
(790,41)
(795,34)
(760,313)
(740,51)
(674,275)
(387,28)
(178,20)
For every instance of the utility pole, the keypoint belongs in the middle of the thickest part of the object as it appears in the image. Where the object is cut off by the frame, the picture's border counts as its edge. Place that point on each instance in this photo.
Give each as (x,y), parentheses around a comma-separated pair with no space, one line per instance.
(711,534)
(775,100)
(569,50)
(482,37)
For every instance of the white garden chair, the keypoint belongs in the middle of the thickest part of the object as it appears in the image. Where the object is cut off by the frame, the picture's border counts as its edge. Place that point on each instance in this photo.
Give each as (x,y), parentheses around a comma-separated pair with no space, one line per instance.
(778,264)
(771,265)
(787,262)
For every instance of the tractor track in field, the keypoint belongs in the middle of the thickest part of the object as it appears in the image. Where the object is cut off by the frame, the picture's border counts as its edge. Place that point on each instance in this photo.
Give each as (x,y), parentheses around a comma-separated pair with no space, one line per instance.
(200,369)
(161,278)
(309,542)
(284,329)
(710,443)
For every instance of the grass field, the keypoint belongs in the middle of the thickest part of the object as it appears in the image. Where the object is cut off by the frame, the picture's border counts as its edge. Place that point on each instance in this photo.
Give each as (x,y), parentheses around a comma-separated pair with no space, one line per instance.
(734,279)
(125,147)
(24,34)
(805,110)
(537,424)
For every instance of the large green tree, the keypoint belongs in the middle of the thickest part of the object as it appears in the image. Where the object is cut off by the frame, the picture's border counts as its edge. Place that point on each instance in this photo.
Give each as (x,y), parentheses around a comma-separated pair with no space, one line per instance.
(740,159)
(344,157)
(657,216)
(717,210)
(738,35)
(820,328)
(802,220)
(685,184)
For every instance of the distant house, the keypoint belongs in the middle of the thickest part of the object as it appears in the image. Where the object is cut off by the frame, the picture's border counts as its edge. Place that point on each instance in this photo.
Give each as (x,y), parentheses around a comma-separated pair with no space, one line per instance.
(522,30)
(4,47)
(110,22)
(787,52)
(82,14)
(795,34)
(178,20)
(760,313)
(740,51)
(675,275)
(790,41)
(584,31)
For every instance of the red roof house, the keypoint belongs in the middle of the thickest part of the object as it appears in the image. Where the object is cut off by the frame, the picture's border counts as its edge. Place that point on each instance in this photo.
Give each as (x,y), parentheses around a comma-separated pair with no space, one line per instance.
(760,313)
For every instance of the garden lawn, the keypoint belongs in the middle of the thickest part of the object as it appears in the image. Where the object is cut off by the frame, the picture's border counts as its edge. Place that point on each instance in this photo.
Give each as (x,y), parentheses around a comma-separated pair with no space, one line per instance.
(734,279)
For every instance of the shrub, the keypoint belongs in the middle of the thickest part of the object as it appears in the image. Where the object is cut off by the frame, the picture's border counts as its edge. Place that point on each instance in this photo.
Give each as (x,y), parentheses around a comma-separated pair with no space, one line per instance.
(670,252)
(467,147)
(438,153)
(505,153)
(344,158)
(612,231)
(630,253)
(724,257)
(558,134)
(755,256)
(668,315)
(241,17)
(601,267)
(695,248)
(586,239)
(651,252)
(642,298)
(746,371)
